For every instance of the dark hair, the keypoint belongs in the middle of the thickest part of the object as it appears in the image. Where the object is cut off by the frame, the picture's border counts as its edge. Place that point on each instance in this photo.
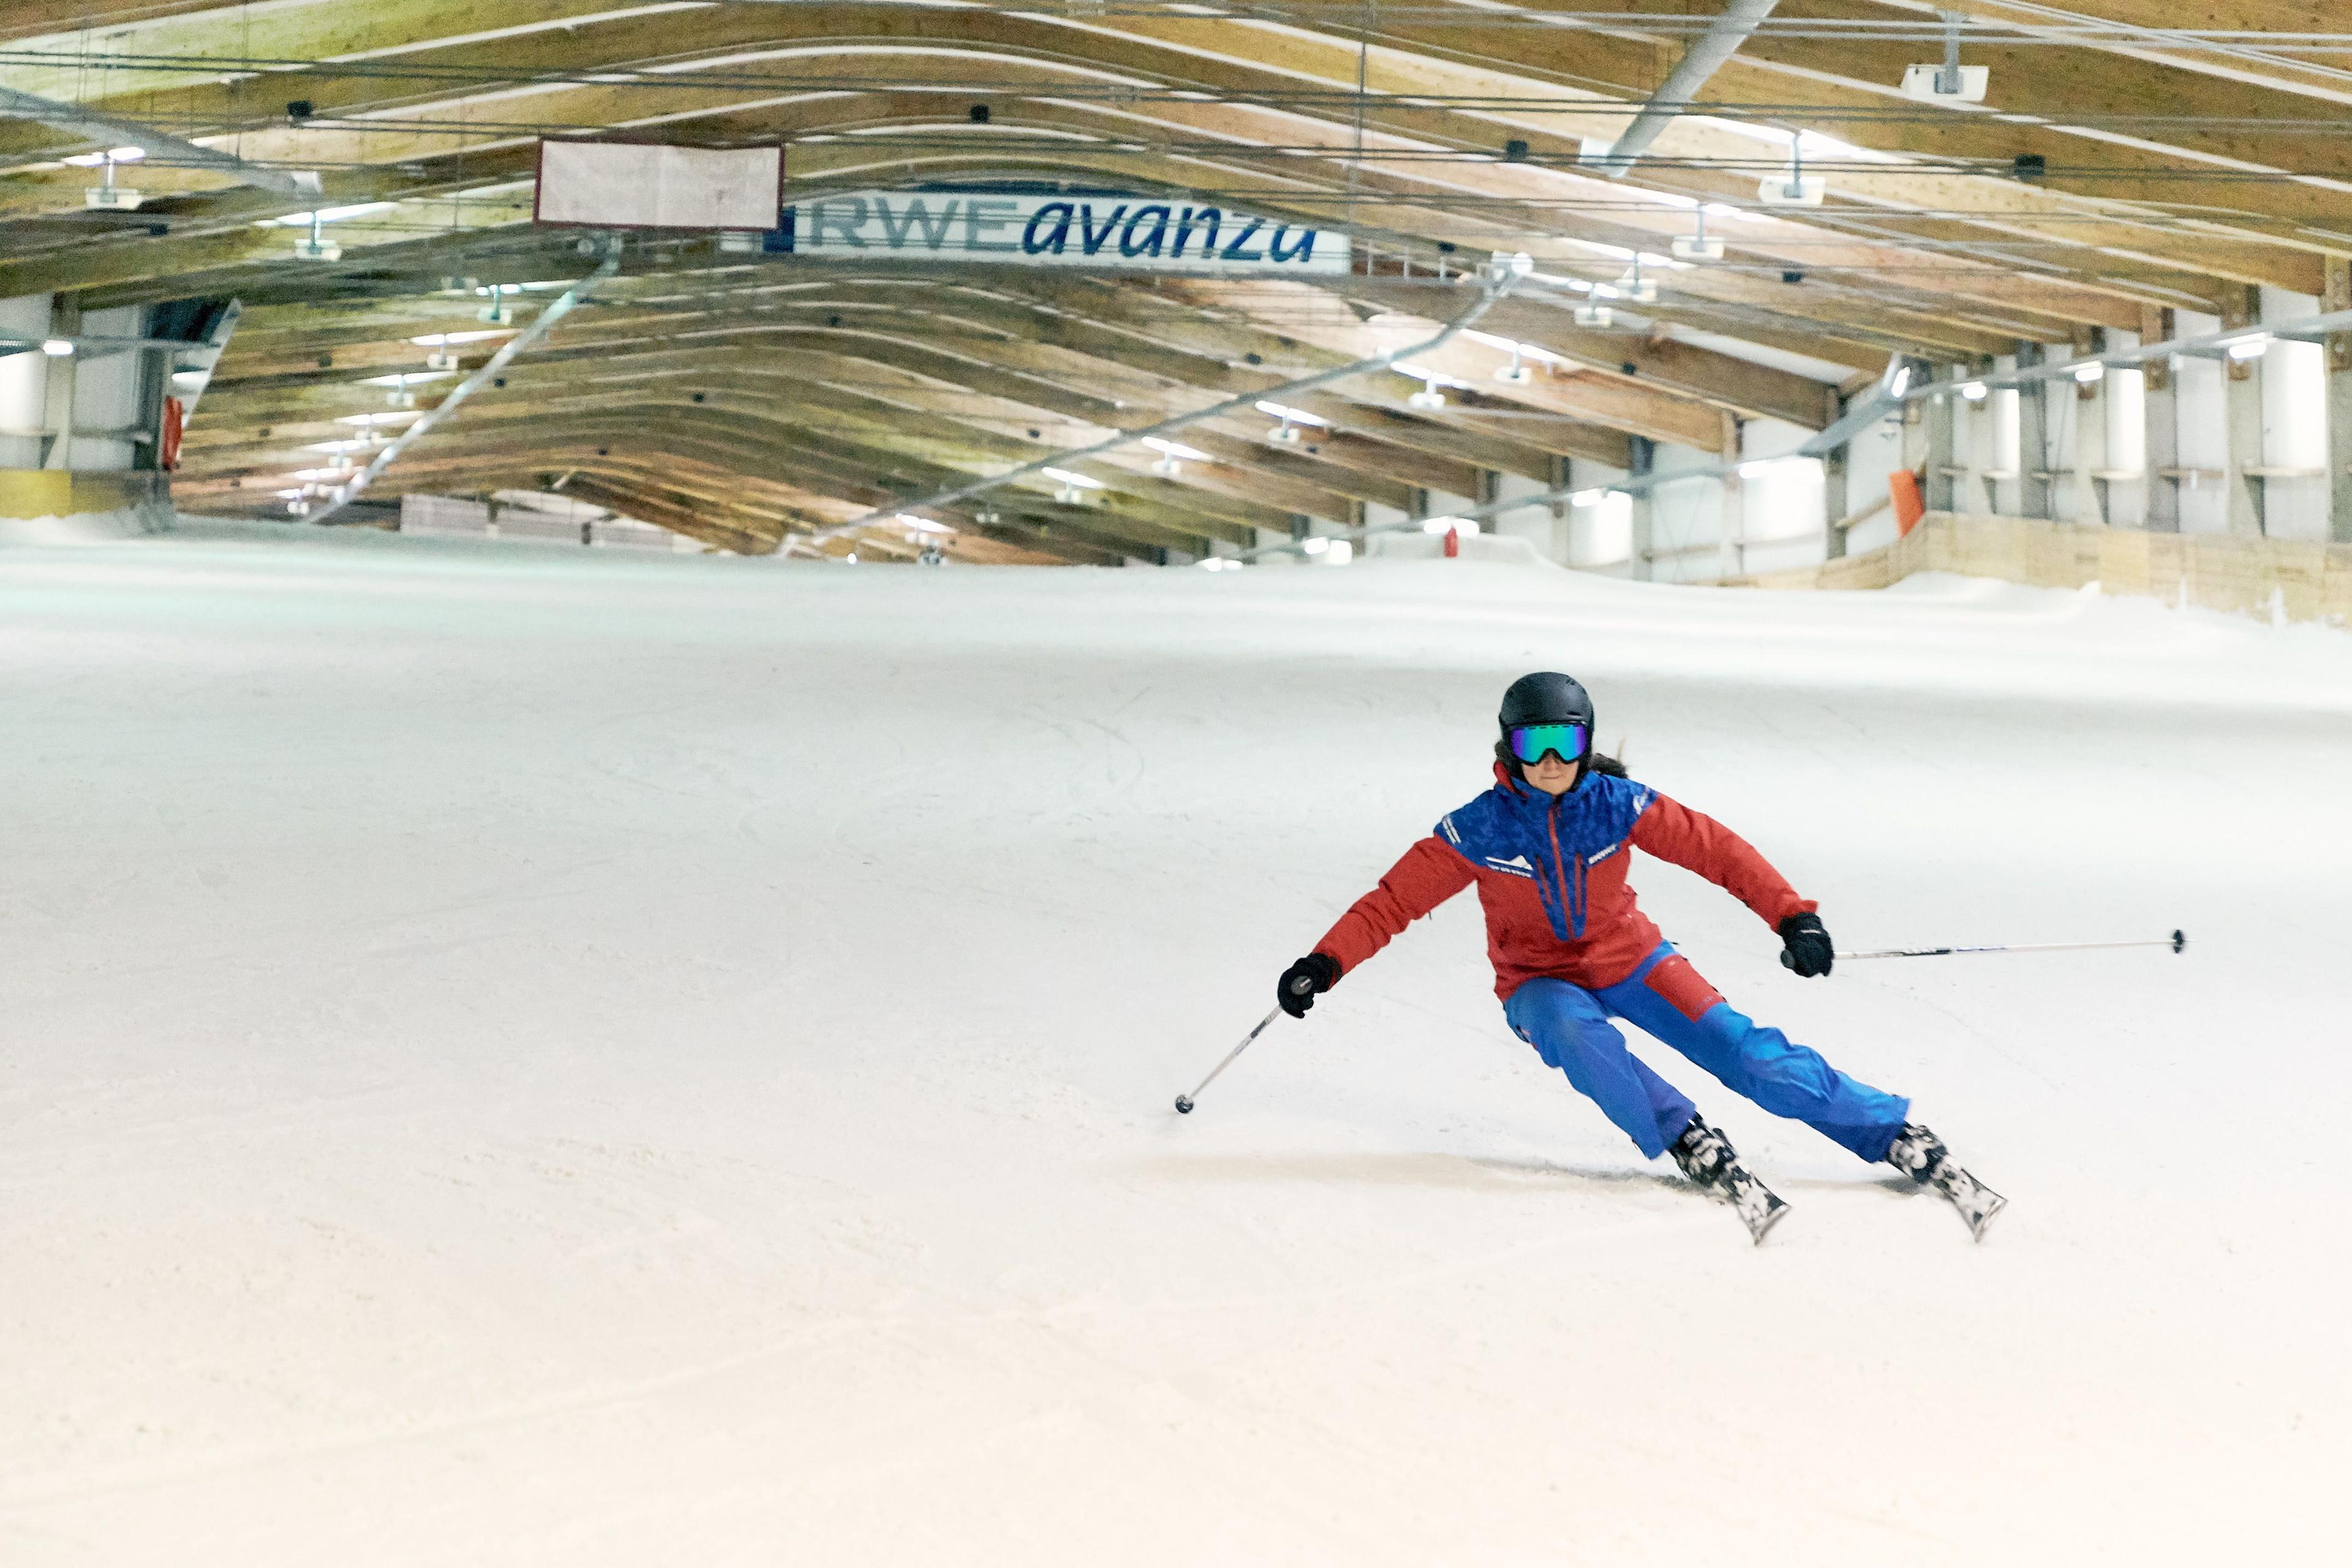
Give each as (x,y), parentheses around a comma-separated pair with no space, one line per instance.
(1594,764)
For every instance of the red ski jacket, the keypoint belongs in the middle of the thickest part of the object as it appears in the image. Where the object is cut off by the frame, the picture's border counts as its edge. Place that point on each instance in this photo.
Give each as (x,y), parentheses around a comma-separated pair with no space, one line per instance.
(1551,879)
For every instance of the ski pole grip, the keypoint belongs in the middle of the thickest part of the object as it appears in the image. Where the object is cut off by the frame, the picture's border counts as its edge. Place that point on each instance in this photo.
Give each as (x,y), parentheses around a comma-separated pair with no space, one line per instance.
(1788,960)
(1302,985)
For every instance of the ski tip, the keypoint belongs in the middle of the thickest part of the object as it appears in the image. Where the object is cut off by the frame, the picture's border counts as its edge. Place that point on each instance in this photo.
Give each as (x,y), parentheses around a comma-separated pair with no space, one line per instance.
(1983,1222)
(1763,1227)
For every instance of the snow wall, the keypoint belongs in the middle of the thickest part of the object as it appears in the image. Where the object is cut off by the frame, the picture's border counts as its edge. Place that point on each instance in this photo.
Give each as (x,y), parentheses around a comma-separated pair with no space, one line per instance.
(2288,579)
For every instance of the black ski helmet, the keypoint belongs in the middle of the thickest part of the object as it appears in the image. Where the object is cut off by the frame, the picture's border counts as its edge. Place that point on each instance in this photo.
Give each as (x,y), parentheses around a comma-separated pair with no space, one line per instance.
(1546,697)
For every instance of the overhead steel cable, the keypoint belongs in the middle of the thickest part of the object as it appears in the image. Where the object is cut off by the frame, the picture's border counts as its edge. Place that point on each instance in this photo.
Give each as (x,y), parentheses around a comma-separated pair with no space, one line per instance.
(725,80)
(2061,29)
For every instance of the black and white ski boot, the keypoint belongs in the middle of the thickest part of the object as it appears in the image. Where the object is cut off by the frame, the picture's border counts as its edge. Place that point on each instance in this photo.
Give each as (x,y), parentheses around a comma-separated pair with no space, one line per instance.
(1706,1156)
(1921,1155)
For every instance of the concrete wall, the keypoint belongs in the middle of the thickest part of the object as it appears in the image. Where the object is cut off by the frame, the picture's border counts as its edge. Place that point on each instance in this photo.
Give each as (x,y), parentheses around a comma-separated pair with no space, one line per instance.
(2202,429)
(2294,379)
(94,412)
(110,409)
(2124,401)
(1543,526)
(24,383)
(1685,518)
(1875,452)
(1781,506)
(1601,532)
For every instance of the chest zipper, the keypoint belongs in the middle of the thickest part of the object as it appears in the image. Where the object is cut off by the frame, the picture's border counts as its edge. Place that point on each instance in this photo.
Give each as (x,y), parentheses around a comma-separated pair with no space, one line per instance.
(1560,871)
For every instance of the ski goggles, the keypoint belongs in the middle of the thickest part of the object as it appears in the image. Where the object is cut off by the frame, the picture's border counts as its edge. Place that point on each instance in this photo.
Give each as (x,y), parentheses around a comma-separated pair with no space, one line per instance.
(1530,741)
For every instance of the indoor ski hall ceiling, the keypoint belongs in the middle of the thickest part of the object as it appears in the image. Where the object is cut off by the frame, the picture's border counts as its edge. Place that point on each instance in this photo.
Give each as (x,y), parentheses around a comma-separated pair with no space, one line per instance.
(2116,168)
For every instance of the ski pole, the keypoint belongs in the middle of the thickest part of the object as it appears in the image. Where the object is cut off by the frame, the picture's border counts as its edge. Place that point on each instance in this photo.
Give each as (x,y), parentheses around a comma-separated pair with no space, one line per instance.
(2176,942)
(1299,987)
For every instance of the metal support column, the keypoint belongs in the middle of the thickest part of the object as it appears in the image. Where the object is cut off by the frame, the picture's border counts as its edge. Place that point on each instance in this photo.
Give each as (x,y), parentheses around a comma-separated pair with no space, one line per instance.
(2241,396)
(1643,460)
(1942,447)
(1731,531)
(58,393)
(2161,414)
(2032,438)
(2089,453)
(1972,441)
(2338,297)
(1837,468)
(1560,471)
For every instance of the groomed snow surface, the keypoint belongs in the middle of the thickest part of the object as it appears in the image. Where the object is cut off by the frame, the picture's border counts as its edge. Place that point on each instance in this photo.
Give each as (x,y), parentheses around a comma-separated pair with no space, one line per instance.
(524,1058)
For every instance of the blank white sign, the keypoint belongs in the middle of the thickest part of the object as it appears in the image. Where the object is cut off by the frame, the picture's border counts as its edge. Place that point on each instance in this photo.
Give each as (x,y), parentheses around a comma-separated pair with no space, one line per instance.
(629,184)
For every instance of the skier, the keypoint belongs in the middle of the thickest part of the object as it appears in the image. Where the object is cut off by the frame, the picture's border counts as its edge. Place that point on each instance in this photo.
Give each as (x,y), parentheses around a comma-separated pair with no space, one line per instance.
(1548,849)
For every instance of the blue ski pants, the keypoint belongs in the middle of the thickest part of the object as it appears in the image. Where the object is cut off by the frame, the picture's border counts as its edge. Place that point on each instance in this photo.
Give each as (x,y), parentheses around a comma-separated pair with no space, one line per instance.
(1570,1027)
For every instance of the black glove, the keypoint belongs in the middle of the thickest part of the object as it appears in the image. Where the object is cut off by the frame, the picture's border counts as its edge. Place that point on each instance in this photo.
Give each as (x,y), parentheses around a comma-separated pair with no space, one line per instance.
(1805,945)
(1304,981)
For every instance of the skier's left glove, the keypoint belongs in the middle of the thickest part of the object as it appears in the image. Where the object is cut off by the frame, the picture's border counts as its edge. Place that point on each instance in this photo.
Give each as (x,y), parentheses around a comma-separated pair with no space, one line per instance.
(1805,945)
(1304,981)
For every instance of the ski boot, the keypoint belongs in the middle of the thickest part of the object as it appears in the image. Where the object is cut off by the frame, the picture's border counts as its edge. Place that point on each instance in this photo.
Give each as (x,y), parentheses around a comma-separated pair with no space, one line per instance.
(1921,1155)
(1706,1156)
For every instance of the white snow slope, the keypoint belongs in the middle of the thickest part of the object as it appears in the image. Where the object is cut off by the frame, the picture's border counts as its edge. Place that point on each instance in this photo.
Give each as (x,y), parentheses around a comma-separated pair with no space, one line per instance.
(517,1057)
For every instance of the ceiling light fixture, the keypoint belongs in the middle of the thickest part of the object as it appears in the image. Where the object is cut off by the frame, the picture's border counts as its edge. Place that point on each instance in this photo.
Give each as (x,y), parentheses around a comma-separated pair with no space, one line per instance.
(1698,245)
(317,247)
(1075,487)
(108,196)
(1796,188)
(1950,82)
(1428,397)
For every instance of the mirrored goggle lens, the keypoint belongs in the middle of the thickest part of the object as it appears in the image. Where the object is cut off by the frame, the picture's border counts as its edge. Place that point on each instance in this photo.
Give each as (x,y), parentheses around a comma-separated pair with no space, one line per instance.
(1530,741)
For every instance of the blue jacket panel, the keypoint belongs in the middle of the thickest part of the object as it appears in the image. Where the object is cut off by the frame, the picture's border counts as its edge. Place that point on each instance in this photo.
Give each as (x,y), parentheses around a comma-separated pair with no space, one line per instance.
(1512,829)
